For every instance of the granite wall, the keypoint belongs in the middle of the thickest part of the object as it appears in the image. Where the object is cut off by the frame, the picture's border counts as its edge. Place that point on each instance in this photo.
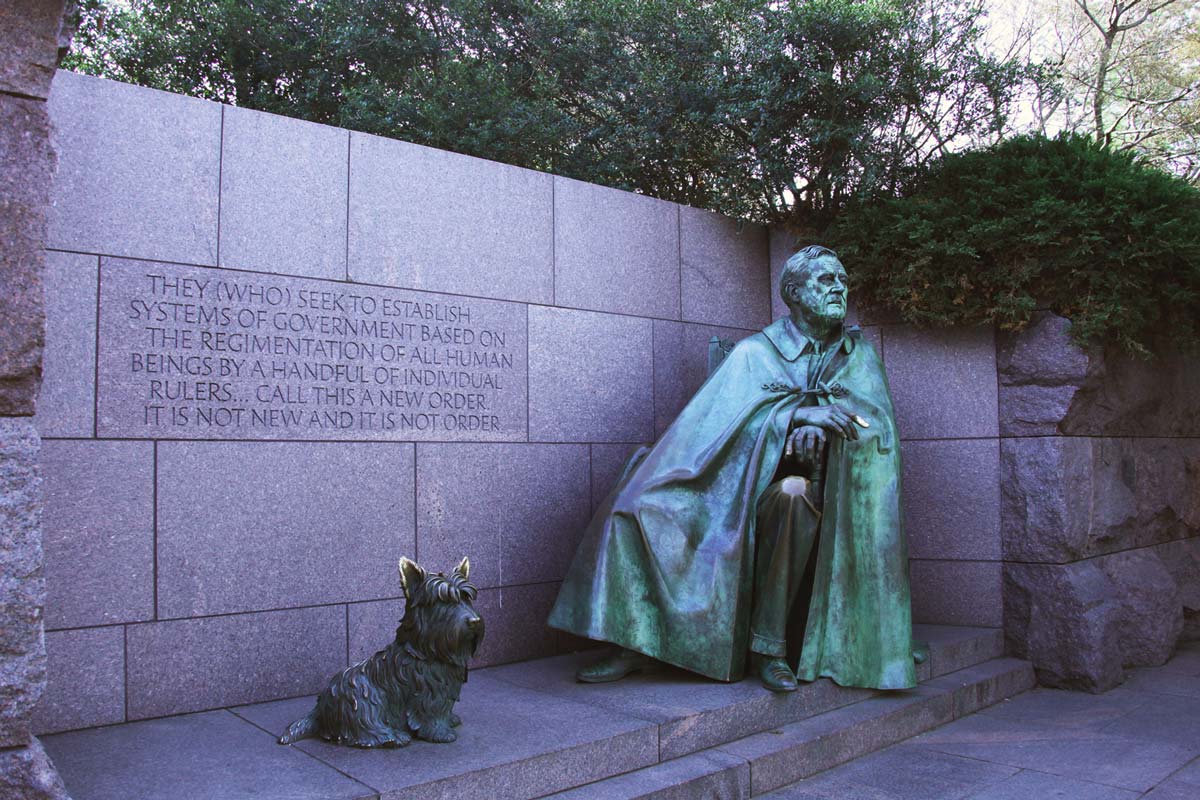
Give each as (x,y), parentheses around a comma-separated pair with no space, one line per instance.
(1100,468)
(227,492)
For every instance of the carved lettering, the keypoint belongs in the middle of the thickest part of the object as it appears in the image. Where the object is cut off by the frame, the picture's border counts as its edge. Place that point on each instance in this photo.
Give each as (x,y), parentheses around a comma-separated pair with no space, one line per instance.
(192,352)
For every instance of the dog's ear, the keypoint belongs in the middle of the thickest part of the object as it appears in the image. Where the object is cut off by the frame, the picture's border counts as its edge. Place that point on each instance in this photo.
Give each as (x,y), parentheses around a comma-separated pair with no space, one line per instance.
(463,570)
(410,575)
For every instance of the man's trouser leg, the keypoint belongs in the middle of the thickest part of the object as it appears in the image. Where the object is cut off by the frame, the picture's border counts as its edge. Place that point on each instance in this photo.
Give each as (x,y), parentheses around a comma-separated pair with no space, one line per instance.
(787,527)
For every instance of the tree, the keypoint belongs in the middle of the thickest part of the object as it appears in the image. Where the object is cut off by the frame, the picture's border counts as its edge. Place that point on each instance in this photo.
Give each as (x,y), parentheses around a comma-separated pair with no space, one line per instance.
(777,111)
(1129,73)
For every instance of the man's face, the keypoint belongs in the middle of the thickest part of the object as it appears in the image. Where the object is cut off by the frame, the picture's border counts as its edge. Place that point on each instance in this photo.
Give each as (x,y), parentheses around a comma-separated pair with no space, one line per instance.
(822,293)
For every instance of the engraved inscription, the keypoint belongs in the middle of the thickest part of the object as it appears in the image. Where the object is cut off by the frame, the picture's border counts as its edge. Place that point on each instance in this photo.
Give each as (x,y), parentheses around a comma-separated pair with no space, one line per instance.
(192,352)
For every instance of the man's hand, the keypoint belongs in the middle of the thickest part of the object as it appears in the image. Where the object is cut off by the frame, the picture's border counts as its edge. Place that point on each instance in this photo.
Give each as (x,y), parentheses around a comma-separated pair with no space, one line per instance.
(832,418)
(806,444)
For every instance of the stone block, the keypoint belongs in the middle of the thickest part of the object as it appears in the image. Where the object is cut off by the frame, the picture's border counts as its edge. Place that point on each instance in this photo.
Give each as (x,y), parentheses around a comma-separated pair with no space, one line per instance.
(1150,614)
(1096,757)
(515,620)
(66,405)
(22,589)
(196,664)
(681,364)
(200,353)
(516,510)
(1027,784)
(1064,619)
(247,527)
(983,685)
(783,244)
(1040,371)
(86,680)
(372,626)
(25,189)
(712,774)
(1127,395)
(283,195)
(137,171)
(98,530)
(31,33)
(212,756)
(954,647)
(1066,498)
(693,713)
(804,748)
(608,463)
(901,772)
(591,377)
(1078,712)
(615,251)
(409,209)
(956,592)
(513,743)
(26,773)
(951,499)
(943,381)
(726,270)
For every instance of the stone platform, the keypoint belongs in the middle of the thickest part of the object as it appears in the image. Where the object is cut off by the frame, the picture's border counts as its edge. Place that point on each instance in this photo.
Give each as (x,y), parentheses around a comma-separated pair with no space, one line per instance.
(530,731)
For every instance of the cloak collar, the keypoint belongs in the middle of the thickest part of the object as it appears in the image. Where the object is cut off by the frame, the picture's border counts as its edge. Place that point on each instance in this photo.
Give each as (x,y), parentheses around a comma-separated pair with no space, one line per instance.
(792,344)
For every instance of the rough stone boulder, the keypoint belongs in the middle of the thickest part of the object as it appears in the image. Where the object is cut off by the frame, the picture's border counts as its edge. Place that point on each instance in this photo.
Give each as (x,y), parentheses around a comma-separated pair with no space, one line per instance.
(22,593)
(26,773)
(1065,498)
(1182,559)
(1149,611)
(1065,619)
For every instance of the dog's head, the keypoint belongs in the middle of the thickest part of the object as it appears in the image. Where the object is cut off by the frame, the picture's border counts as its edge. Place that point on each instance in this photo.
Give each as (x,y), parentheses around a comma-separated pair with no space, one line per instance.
(439,619)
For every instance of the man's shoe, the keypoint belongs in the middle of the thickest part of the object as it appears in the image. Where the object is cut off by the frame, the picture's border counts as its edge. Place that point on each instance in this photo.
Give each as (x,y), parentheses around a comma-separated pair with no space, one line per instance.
(615,666)
(777,675)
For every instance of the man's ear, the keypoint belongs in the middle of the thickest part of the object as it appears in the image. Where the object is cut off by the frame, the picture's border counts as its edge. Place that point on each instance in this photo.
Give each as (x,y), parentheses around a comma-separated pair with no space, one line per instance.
(790,290)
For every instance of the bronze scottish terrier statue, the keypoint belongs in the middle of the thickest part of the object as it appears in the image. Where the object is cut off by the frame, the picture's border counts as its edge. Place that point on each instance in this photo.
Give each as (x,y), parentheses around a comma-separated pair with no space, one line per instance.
(410,687)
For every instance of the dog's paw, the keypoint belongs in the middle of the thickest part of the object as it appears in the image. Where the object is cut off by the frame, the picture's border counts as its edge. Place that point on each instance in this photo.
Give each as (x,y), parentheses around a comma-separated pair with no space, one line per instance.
(455,720)
(437,733)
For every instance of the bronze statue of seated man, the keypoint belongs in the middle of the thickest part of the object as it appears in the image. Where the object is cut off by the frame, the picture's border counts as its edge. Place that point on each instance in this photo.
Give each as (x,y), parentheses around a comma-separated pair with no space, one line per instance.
(783,472)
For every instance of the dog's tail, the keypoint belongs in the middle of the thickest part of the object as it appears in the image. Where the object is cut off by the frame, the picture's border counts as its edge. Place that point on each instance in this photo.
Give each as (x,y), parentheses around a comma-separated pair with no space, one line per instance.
(300,729)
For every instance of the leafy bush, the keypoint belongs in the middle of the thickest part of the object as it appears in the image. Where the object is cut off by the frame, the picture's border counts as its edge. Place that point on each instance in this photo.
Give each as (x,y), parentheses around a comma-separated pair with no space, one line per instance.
(990,235)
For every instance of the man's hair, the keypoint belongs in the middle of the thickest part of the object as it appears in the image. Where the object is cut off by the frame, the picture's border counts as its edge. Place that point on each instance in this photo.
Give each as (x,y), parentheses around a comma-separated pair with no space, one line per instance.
(798,264)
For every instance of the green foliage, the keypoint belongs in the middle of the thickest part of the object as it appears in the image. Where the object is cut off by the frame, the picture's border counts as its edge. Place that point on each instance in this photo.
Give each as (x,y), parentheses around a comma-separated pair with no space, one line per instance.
(758,108)
(989,236)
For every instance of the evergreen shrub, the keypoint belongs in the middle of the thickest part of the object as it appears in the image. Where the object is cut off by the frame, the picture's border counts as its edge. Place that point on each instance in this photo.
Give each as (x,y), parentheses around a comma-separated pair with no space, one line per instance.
(991,235)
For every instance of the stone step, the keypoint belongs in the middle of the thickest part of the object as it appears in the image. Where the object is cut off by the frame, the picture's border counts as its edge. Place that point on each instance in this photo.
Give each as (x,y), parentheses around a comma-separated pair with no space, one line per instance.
(765,761)
(529,731)
(693,713)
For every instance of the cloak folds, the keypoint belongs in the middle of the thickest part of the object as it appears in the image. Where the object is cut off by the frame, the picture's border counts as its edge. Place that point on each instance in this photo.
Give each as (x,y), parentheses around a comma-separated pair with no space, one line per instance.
(666,566)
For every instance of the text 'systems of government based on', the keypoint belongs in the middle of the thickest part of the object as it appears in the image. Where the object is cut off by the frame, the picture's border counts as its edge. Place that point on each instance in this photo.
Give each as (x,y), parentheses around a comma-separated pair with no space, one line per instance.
(203,353)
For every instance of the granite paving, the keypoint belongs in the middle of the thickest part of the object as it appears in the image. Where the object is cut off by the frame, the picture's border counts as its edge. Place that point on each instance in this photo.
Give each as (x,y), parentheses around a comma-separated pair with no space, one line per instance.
(1140,740)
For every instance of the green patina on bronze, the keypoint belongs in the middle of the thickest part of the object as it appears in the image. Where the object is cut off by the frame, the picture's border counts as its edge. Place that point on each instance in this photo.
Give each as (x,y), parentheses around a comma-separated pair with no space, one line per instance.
(667,566)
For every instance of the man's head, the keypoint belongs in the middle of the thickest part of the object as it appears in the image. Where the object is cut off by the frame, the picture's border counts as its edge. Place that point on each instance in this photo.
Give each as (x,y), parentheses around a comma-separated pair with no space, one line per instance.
(813,284)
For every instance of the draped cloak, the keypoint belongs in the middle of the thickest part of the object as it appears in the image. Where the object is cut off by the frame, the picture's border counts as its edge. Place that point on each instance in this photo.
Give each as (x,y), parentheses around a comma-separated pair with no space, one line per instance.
(666,566)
